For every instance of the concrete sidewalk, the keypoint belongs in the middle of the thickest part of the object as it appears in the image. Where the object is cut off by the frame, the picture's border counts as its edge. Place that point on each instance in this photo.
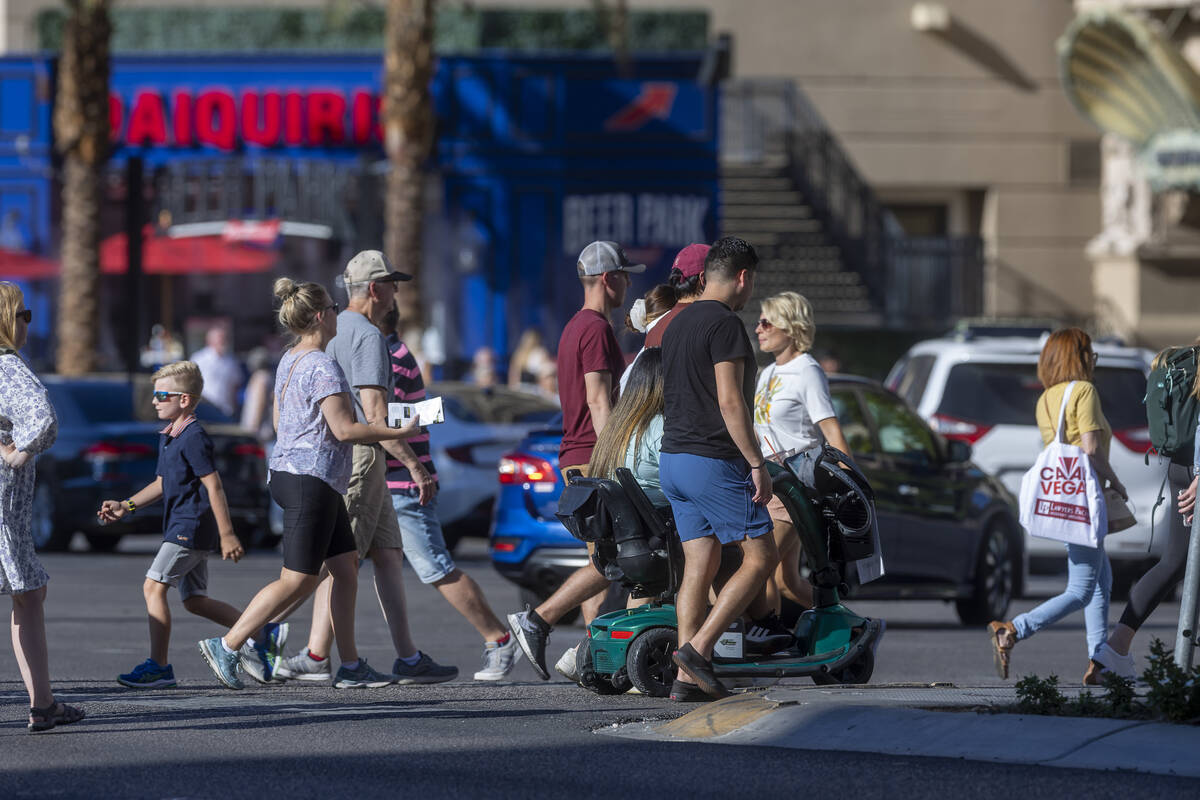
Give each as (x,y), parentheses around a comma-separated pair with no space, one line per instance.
(930,720)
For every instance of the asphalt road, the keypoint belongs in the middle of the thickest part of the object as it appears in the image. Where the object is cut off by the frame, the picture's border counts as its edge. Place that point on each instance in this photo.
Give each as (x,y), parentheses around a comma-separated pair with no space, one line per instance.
(516,739)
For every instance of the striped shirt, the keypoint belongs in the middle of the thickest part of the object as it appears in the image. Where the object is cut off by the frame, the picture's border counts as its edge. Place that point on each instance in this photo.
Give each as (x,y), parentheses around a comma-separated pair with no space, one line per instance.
(409,387)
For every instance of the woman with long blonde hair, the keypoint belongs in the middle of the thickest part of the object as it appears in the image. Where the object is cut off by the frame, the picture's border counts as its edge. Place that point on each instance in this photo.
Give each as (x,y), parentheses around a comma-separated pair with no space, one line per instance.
(632,437)
(28,426)
(1068,358)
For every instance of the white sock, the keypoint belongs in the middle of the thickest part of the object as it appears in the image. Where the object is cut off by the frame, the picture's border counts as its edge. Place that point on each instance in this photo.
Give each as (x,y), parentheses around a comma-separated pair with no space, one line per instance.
(251,643)
(412,660)
(350,665)
(228,649)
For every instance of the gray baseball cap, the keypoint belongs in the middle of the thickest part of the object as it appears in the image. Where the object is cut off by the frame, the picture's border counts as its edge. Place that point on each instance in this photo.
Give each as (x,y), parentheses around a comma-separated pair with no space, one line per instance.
(600,257)
(369,266)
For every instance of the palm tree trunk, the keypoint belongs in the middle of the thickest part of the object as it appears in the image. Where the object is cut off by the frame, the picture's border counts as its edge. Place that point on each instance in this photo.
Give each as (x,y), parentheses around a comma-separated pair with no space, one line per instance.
(408,130)
(81,133)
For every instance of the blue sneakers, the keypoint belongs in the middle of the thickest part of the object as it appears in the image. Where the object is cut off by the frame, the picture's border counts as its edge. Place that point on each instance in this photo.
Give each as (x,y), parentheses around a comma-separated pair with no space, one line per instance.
(148,675)
(224,665)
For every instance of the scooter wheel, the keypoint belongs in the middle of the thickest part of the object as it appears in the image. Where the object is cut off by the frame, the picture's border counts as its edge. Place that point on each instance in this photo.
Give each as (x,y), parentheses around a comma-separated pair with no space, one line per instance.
(858,672)
(617,683)
(649,662)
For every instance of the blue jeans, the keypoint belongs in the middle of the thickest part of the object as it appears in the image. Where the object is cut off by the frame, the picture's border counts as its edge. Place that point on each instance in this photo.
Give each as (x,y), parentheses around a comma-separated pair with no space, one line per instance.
(424,546)
(1089,585)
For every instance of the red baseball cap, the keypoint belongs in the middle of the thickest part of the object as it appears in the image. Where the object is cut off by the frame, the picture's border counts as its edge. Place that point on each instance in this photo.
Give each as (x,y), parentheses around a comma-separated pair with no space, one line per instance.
(690,260)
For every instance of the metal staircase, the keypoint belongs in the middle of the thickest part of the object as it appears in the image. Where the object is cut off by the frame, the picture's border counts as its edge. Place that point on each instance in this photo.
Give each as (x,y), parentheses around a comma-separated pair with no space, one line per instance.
(789,189)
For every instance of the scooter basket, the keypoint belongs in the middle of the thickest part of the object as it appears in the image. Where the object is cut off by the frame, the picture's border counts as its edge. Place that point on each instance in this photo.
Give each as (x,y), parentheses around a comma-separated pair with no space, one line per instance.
(582,512)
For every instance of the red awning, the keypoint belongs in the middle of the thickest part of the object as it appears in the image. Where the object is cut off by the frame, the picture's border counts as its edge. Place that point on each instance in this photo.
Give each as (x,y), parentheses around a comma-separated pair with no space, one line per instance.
(163,255)
(19,265)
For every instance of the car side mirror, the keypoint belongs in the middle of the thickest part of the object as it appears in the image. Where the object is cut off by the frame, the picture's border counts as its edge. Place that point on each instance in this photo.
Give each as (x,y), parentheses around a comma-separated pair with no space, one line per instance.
(958,451)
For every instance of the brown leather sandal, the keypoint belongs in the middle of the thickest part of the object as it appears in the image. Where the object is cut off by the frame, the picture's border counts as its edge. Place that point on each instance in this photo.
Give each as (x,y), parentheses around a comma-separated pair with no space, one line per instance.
(44,719)
(1003,636)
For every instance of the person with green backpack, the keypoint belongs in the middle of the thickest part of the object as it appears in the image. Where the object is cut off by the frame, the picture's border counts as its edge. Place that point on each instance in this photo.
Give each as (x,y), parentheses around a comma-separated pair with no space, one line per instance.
(1172,405)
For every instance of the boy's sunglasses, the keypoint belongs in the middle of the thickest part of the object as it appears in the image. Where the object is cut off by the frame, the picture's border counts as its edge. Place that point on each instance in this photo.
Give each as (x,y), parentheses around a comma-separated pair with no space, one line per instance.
(26,315)
(162,397)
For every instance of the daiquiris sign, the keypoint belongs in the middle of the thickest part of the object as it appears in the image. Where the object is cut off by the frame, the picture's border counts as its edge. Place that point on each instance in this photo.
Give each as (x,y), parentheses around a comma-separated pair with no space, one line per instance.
(267,116)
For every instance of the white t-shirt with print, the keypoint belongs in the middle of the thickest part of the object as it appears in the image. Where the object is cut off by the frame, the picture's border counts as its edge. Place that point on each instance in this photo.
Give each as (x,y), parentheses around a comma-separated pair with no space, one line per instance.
(788,403)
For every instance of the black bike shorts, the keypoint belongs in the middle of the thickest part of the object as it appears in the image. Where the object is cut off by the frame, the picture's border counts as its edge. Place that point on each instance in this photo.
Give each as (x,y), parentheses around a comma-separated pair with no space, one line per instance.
(315,523)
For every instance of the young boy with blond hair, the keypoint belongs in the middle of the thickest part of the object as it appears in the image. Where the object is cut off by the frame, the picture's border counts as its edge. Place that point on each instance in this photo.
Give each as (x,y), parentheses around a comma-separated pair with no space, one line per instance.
(195,520)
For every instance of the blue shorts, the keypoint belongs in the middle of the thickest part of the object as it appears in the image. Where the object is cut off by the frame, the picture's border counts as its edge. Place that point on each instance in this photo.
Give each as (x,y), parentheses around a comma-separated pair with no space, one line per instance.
(712,497)
(421,532)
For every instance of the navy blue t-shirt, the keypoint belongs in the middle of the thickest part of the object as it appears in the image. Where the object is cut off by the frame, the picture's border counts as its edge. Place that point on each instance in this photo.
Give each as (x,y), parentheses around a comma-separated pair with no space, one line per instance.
(188,519)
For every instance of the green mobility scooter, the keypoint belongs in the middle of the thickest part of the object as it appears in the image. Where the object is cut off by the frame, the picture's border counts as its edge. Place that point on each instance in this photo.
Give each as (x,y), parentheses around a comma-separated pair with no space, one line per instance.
(635,544)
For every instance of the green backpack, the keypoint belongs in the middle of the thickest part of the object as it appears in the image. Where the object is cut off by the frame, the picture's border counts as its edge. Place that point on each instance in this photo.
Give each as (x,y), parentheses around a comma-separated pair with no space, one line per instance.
(1171,405)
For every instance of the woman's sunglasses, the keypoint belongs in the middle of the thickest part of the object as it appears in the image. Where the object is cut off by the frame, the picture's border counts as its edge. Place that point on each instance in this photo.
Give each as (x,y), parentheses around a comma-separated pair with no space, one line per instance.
(162,397)
(334,307)
(26,315)
(765,324)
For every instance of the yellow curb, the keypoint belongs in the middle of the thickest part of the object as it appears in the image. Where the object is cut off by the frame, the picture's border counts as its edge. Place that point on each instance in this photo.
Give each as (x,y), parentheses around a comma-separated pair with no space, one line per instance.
(719,718)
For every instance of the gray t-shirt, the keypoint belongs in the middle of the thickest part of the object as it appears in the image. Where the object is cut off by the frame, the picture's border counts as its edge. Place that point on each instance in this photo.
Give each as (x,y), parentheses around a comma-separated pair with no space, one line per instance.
(360,350)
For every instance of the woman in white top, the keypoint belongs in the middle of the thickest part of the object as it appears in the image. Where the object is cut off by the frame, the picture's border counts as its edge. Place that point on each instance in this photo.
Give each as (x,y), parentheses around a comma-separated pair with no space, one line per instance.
(793,413)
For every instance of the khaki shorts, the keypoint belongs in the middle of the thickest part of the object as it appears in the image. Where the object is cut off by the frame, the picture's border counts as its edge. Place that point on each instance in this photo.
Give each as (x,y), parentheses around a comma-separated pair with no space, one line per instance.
(369,503)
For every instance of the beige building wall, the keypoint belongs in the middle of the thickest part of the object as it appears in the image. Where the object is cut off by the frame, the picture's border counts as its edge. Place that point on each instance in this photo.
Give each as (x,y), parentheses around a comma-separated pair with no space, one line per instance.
(971,115)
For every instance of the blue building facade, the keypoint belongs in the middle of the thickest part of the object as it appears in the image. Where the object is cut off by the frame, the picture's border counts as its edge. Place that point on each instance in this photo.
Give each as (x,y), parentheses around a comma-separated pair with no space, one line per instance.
(534,158)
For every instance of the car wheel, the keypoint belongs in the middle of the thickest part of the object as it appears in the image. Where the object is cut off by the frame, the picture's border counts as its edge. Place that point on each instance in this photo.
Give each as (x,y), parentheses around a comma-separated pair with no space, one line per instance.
(102,543)
(649,662)
(49,535)
(995,579)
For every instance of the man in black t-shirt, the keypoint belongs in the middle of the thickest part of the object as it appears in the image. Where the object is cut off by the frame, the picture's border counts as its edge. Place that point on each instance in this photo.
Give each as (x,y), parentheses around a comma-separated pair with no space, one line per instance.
(711,467)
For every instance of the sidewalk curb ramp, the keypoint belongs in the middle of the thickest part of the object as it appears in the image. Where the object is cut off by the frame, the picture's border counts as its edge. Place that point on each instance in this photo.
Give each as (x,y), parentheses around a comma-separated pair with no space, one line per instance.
(901,720)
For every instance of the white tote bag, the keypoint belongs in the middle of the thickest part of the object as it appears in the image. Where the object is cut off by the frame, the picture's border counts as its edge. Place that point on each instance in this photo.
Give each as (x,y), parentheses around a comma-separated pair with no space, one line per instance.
(1061,498)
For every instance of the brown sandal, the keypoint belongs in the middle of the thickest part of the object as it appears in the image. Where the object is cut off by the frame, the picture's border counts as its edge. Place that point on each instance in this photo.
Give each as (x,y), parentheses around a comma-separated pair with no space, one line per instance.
(1003,636)
(52,715)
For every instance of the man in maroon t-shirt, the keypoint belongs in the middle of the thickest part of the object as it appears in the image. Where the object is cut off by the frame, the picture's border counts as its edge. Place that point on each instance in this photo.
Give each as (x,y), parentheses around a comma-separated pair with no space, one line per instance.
(589,366)
(589,359)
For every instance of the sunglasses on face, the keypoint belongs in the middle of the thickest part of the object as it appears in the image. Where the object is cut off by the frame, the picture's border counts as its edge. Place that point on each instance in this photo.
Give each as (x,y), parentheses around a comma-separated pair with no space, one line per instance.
(25,314)
(162,397)
(764,324)
(334,307)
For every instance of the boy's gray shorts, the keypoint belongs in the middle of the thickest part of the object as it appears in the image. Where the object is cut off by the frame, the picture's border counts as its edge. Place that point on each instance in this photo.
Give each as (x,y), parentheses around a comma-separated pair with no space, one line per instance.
(182,567)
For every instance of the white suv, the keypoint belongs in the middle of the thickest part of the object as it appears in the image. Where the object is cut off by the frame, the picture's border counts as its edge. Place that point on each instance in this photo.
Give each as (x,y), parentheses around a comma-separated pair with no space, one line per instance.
(983,390)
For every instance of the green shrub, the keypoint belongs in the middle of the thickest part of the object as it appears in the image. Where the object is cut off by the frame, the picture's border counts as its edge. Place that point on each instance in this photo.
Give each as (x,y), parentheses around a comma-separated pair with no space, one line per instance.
(1174,694)
(1039,696)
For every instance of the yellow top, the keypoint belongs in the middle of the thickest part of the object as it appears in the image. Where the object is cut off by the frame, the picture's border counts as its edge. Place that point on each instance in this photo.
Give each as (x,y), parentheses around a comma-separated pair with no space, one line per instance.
(1083,415)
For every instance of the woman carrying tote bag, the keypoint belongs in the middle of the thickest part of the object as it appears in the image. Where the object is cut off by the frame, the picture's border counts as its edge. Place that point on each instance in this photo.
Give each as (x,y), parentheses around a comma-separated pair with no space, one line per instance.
(1068,358)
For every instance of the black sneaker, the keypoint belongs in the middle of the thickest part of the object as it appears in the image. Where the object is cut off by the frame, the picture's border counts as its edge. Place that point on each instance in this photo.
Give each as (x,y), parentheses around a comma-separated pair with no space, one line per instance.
(532,638)
(701,671)
(767,635)
(687,693)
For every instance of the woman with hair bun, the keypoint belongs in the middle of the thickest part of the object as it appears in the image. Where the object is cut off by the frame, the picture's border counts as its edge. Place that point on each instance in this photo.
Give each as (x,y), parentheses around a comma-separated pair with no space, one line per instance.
(309,472)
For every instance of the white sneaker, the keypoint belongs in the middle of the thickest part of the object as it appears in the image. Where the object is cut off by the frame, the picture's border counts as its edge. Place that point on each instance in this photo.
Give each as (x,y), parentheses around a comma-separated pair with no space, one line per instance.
(567,665)
(1112,661)
(498,660)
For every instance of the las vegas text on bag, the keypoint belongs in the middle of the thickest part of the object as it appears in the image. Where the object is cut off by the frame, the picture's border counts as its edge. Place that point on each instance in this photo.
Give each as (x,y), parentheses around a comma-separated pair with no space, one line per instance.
(1061,498)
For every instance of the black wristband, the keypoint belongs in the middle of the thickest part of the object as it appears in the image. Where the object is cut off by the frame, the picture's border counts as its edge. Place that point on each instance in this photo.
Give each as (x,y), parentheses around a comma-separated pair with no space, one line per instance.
(760,466)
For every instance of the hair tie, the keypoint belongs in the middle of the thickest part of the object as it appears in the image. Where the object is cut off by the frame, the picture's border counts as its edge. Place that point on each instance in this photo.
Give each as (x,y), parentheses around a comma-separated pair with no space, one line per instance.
(637,315)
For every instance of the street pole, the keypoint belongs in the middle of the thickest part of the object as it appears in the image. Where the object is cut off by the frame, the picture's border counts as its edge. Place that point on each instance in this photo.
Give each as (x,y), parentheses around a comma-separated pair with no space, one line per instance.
(1185,640)
(135,220)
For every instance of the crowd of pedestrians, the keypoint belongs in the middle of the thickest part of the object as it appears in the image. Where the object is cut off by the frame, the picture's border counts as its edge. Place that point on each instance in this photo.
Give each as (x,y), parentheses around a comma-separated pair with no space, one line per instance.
(691,416)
